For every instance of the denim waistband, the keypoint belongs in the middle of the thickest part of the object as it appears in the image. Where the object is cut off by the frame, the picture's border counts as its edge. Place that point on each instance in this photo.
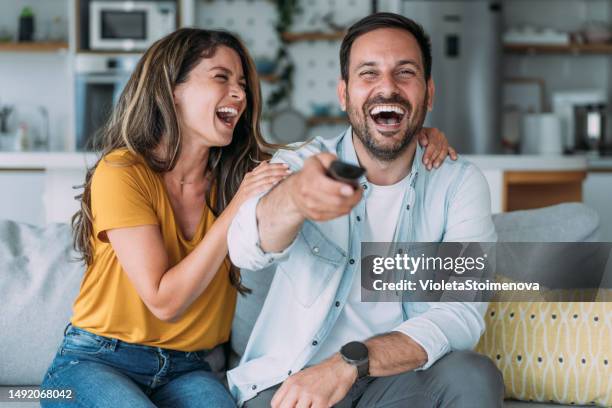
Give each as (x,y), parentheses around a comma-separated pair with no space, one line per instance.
(113,343)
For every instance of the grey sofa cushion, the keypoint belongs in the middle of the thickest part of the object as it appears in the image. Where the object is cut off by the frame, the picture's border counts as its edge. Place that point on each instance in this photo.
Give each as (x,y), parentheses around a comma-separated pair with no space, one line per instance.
(570,222)
(37,288)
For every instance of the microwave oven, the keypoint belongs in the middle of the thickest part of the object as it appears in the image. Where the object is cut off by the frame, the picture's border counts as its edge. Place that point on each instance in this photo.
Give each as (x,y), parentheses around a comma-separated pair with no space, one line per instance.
(129,25)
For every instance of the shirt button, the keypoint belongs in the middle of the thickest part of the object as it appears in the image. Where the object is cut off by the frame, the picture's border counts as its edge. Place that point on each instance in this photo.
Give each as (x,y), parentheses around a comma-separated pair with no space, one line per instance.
(314,342)
(365,186)
(253,387)
(315,250)
(289,373)
(337,304)
(351,261)
(408,207)
(358,218)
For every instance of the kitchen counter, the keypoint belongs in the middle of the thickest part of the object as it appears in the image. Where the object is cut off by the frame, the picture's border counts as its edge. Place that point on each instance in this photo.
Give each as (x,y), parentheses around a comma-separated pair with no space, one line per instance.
(46,160)
(599,163)
(528,162)
(78,161)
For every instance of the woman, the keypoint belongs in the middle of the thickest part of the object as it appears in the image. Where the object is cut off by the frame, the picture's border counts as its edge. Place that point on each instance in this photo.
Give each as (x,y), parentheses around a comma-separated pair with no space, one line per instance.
(180,156)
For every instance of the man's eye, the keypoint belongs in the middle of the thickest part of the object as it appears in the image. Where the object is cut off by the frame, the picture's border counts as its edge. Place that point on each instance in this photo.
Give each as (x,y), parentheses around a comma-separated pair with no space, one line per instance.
(368,73)
(406,72)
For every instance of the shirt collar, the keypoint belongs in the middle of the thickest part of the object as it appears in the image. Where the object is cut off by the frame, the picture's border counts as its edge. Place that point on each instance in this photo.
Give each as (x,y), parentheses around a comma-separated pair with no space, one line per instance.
(347,153)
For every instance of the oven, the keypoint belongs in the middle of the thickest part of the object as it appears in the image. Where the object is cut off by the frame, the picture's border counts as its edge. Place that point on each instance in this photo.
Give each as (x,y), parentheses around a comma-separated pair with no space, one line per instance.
(100,79)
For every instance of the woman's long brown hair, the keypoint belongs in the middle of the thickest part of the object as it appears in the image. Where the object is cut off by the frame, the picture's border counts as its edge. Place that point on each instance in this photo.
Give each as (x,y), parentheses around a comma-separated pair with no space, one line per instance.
(145,119)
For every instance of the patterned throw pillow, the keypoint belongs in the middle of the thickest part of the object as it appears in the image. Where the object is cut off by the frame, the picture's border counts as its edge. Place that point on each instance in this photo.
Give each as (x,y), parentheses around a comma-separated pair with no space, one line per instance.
(552,351)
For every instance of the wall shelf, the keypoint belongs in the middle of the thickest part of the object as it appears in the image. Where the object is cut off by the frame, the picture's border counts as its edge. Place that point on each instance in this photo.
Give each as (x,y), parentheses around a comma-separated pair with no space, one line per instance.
(313,36)
(47,46)
(327,120)
(576,49)
(271,78)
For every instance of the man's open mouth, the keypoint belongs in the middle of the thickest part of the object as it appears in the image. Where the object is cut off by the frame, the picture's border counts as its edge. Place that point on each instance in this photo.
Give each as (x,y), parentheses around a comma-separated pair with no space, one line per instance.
(387,116)
(227,115)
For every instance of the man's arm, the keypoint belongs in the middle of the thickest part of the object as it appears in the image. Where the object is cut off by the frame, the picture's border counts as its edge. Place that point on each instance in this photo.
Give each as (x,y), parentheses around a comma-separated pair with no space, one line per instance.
(278,218)
(265,227)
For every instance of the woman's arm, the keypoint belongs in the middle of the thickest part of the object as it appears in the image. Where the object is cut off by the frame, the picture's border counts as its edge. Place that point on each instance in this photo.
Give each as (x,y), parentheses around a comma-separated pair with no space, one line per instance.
(168,291)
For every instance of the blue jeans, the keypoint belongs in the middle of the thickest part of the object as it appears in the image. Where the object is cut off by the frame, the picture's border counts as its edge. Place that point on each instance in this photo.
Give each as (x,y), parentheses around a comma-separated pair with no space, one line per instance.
(106,372)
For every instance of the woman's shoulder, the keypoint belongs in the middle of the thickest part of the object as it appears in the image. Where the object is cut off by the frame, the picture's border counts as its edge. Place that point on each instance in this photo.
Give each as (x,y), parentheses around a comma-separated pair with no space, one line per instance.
(122,164)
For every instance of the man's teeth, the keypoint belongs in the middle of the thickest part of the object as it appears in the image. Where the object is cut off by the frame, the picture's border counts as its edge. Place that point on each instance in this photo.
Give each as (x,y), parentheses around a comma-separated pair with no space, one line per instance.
(387,108)
(229,111)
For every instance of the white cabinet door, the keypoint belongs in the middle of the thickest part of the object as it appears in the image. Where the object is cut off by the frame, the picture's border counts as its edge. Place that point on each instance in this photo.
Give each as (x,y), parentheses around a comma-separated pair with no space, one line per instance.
(21,196)
(59,194)
(598,196)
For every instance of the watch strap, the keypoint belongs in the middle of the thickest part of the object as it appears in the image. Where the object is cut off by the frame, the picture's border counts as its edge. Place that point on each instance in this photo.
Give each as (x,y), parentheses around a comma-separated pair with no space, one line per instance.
(363,369)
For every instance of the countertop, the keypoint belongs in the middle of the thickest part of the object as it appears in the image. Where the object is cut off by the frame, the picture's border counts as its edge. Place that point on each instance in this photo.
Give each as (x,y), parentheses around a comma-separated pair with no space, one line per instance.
(79,160)
(46,160)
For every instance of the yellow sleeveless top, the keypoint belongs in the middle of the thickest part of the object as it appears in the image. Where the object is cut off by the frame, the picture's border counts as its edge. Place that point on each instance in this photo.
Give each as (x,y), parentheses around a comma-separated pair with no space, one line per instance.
(125,192)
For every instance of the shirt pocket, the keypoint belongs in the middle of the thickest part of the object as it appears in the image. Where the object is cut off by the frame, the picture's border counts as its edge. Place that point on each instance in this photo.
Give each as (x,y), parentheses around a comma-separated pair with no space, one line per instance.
(311,265)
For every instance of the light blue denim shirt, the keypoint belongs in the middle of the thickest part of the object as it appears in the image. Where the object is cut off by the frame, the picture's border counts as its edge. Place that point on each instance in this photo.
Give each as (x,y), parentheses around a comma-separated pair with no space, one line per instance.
(314,274)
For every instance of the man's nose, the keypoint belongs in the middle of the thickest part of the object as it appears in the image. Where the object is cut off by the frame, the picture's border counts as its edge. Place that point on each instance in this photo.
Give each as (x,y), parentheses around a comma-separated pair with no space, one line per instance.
(387,86)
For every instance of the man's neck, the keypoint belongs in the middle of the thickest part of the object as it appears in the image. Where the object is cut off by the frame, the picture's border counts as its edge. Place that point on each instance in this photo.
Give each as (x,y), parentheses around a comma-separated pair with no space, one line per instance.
(381,172)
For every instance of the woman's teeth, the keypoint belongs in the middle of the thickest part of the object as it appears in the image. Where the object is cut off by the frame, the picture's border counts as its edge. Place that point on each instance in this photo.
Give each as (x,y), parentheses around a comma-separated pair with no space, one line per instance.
(227,114)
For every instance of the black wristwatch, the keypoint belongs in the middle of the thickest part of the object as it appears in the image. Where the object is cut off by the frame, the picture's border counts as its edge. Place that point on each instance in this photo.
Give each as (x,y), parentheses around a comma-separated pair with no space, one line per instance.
(356,353)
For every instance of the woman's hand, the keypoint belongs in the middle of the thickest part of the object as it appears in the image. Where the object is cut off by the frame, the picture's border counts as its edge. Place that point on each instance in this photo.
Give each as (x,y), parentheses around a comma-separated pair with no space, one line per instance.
(436,147)
(260,179)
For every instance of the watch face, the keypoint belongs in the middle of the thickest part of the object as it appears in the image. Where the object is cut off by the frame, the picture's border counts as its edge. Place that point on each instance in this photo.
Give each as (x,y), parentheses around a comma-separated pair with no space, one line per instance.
(355,351)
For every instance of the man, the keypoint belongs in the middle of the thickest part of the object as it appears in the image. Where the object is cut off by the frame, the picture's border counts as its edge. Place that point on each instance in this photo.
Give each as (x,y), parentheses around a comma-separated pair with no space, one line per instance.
(315,344)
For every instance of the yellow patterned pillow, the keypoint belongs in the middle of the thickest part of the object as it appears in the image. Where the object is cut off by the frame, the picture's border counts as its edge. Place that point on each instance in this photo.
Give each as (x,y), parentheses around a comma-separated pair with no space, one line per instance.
(552,351)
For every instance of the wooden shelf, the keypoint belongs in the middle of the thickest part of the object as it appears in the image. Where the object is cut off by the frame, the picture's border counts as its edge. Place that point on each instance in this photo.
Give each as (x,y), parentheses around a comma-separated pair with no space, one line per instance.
(326,120)
(50,46)
(558,49)
(313,36)
(524,190)
(272,78)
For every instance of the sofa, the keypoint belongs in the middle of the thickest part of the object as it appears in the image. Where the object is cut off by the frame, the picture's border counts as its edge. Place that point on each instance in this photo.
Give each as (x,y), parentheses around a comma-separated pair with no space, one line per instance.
(40,279)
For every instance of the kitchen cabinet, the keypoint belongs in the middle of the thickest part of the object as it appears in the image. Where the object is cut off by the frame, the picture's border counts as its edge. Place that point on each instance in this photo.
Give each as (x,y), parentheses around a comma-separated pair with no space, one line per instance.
(521,182)
(598,196)
(524,190)
(21,192)
(38,188)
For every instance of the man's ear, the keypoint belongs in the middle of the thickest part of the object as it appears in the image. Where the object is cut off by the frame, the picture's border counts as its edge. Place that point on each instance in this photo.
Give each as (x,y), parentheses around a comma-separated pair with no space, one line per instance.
(431,90)
(341,89)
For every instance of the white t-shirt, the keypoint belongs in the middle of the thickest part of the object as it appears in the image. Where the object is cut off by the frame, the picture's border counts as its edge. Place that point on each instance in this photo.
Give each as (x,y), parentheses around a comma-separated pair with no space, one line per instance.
(358,320)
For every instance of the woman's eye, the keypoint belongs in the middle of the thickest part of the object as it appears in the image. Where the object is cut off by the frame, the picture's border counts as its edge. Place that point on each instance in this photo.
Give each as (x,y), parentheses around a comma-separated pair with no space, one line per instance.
(221,77)
(243,86)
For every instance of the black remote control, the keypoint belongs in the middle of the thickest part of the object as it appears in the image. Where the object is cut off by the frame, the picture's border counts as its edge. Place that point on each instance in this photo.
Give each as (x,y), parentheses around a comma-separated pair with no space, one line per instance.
(345,172)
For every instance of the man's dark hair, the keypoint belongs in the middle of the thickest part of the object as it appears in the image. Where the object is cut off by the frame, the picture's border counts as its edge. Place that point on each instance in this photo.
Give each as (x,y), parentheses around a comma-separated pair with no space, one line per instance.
(385,20)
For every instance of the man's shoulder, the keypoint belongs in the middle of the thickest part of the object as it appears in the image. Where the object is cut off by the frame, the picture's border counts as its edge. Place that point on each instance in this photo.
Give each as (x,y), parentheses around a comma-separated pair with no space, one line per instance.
(296,153)
(455,173)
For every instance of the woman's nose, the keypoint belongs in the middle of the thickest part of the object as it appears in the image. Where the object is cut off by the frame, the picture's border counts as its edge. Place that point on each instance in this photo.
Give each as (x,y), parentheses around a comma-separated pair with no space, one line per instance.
(237,93)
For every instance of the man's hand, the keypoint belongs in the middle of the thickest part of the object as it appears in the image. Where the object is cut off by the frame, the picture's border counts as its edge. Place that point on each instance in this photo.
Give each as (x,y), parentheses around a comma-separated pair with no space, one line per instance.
(319,386)
(436,147)
(319,197)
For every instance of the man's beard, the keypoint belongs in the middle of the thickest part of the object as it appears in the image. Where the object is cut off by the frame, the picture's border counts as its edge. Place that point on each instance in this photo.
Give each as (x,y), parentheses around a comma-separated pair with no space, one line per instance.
(364,128)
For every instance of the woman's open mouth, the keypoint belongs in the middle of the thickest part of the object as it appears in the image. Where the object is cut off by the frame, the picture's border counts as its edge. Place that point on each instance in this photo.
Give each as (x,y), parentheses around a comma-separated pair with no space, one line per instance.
(387,117)
(227,115)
